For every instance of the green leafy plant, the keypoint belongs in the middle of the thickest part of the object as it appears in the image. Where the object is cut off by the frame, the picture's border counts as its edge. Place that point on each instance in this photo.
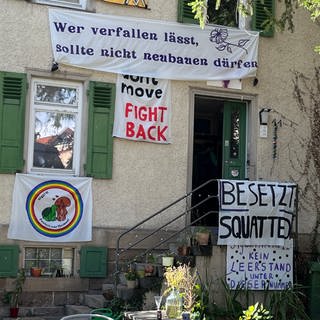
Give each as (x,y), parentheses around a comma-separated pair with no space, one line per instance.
(286,304)
(256,312)
(119,305)
(150,258)
(203,308)
(199,8)
(184,239)
(201,236)
(201,229)
(131,275)
(168,254)
(235,299)
(13,297)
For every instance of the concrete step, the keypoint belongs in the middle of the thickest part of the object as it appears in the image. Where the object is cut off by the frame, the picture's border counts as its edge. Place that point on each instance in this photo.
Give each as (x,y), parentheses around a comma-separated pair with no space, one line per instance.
(94,301)
(30,318)
(35,312)
(76,309)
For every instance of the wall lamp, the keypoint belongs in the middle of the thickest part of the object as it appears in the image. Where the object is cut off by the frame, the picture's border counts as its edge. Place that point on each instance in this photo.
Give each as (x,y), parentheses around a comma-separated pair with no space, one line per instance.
(55,66)
(263,116)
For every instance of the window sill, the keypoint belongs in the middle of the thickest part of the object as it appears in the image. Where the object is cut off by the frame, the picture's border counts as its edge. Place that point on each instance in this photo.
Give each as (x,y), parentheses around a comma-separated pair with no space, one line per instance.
(56,284)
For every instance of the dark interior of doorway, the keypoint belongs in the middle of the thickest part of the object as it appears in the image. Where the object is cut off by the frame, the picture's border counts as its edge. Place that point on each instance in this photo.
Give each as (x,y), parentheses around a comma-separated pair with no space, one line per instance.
(207,156)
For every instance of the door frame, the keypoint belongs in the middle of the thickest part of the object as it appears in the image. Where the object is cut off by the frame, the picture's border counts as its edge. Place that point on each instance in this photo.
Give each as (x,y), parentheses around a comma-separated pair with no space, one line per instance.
(251,130)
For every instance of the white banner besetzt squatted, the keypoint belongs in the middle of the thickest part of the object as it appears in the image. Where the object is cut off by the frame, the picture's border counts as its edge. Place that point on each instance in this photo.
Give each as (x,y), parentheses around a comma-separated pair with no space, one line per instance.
(143,109)
(152,48)
(255,212)
(51,209)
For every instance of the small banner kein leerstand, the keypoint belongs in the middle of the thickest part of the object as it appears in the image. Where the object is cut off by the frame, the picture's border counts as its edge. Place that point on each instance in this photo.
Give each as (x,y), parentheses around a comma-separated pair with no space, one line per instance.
(143,109)
(51,209)
(260,267)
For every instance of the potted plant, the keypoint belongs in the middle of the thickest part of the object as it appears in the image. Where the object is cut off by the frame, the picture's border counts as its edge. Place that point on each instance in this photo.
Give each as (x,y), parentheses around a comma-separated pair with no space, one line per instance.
(149,268)
(35,271)
(201,241)
(202,236)
(131,278)
(182,282)
(168,259)
(183,241)
(13,297)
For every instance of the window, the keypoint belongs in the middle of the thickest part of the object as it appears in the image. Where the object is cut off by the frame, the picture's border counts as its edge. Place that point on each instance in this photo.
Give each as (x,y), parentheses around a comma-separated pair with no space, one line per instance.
(52,261)
(56,130)
(55,127)
(227,14)
(77,4)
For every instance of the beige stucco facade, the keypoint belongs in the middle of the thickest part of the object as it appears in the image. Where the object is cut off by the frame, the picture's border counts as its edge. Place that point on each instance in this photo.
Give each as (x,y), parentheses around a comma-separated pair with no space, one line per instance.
(147,176)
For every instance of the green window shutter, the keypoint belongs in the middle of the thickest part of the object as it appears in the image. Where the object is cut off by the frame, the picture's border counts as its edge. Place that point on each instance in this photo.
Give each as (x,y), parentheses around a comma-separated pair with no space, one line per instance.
(261,11)
(13,88)
(185,14)
(100,141)
(93,262)
(9,260)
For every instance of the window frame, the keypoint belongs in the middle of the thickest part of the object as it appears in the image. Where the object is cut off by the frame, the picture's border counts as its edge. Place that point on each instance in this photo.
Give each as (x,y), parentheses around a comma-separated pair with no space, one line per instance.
(50,107)
(185,15)
(253,22)
(97,122)
(71,249)
(82,4)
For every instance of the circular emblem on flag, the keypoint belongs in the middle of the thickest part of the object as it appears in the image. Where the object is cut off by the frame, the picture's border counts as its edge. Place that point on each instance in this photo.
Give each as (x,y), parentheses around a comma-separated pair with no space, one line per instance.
(54,208)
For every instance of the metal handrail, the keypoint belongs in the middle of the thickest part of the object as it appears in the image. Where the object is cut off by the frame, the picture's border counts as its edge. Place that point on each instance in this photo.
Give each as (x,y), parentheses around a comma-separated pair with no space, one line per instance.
(174,233)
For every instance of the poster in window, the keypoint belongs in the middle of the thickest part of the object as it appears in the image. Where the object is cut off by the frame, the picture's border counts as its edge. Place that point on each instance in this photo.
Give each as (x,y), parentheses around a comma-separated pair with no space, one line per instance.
(54,140)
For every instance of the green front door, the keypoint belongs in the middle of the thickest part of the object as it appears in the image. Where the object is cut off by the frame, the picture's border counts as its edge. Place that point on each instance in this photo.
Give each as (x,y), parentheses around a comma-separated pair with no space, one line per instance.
(234,140)
(219,151)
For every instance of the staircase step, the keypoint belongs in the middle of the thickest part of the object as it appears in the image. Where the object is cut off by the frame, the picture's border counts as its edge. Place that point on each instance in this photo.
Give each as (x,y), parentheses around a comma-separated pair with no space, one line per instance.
(94,301)
(35,318)
(75,309)
(35,312)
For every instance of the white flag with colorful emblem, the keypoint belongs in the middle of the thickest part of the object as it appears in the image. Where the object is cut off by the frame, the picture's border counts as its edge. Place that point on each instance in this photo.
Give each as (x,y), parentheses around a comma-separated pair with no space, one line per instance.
(51,209)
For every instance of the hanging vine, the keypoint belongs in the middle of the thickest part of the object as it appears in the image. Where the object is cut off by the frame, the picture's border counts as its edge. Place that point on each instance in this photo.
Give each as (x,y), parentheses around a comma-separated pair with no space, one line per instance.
(306,164)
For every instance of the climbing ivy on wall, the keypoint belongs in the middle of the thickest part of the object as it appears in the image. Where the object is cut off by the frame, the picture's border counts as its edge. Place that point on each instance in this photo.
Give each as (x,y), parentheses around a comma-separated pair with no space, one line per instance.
(304,154)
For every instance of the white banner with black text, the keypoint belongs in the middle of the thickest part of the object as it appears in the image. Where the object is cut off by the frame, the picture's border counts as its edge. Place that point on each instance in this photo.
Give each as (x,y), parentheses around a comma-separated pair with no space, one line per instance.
(152,48)
(255,212)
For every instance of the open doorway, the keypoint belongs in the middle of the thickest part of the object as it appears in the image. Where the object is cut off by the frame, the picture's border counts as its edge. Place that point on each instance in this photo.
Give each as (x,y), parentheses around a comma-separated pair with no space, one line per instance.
(219,150)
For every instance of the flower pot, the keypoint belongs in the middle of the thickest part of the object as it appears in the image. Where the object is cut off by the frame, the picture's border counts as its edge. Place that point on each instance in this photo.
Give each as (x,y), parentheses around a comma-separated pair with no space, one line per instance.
(167,261)
(140,273)
(35,272)
(185,316)
(201,250)
(188,260)
(131,284)
(202,238)
(184,250)
(149,270)
(14,311)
